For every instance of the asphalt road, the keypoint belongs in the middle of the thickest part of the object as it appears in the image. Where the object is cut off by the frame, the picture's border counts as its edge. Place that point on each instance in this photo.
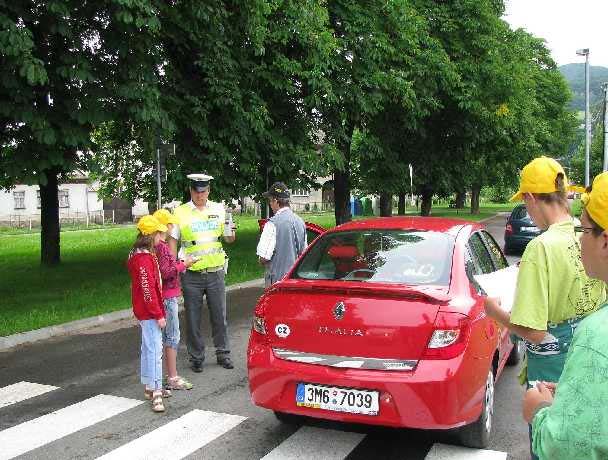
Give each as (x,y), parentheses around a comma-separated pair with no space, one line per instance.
(106,362)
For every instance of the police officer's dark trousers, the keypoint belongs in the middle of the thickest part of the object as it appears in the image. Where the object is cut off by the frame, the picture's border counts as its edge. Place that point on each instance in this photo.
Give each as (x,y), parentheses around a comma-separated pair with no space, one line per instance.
(195,286)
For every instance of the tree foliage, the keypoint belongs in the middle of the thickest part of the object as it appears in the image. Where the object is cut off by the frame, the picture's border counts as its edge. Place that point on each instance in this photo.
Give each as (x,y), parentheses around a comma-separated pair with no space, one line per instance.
(262,90)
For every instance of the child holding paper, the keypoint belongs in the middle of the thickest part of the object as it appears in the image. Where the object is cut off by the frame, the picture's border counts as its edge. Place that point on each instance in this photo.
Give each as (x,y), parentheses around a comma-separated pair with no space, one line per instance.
(553,293)
(582,392)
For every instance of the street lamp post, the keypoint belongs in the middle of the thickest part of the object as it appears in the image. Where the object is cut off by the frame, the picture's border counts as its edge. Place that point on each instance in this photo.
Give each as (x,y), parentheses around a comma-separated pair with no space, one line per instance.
(585,52)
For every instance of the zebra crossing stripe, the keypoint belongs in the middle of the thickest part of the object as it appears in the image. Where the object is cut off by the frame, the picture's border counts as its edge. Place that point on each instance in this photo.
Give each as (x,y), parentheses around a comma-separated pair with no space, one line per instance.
(179,438)
(315,443)
(445,452)
(30,435)
(21,391)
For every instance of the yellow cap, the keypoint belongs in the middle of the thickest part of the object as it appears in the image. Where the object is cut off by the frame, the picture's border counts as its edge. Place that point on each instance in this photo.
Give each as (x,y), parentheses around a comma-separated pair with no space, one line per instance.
(596,201)
(165,217)
(150,224)
(539,176)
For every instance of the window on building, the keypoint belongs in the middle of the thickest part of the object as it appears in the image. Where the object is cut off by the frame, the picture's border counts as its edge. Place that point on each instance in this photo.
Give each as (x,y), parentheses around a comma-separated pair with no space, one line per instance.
(64,198)
(300,192)
(39,204)
(19,200)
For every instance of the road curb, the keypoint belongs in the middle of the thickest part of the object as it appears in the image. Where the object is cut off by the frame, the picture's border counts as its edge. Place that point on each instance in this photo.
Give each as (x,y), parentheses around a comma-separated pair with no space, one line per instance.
(36,335)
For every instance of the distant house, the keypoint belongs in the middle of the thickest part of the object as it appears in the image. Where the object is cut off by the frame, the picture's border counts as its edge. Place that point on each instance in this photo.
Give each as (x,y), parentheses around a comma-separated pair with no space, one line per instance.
(78,201)
(320,198)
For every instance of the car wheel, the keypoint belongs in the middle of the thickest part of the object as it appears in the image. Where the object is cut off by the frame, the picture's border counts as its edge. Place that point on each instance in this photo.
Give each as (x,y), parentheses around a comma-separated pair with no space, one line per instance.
(289,419)
(477,434)
(517,353)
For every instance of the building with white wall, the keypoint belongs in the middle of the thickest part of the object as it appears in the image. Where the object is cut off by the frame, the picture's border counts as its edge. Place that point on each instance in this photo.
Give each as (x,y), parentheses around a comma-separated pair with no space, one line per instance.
(78,200)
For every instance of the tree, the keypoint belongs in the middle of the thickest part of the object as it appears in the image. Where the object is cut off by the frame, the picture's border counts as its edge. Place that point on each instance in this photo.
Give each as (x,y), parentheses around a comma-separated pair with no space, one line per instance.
(383,49)
(68,66)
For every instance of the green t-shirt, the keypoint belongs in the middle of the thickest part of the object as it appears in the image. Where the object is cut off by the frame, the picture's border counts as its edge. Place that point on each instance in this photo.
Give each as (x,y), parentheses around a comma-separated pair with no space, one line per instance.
(575,426)
(552,285)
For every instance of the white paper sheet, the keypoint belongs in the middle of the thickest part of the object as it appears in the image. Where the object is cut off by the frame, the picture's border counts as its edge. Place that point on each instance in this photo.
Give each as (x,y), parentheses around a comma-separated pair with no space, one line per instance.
(501,284)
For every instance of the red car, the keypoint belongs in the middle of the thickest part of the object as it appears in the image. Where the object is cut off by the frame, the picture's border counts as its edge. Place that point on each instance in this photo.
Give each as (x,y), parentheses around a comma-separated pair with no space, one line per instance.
(381,322)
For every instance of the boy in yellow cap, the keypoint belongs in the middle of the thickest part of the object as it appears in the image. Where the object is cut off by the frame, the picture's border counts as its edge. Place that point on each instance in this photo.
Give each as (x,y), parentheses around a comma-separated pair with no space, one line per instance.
(170,269)
(573,424)
(553,293)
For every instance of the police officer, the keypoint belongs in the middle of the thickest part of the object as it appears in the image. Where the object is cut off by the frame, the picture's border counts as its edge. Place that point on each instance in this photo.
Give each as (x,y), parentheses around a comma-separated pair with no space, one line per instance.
(200,226)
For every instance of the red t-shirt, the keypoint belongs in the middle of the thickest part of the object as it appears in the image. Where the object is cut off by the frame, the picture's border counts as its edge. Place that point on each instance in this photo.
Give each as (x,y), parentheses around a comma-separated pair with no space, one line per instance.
(146,286)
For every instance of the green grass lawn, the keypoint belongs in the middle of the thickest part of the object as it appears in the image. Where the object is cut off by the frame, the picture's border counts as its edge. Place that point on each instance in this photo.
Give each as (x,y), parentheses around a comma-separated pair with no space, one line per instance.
(92,278)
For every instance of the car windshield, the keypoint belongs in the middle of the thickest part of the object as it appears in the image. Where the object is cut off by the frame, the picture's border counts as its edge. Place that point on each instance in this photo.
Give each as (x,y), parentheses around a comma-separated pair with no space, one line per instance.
(410,257)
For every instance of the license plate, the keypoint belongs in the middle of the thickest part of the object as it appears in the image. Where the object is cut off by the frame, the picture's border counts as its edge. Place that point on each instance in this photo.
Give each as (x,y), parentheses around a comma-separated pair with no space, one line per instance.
(337,399)
(530,229)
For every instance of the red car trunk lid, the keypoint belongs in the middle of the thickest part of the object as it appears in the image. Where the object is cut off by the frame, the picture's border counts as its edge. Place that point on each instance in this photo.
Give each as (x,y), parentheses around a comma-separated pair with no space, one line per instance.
(379,321)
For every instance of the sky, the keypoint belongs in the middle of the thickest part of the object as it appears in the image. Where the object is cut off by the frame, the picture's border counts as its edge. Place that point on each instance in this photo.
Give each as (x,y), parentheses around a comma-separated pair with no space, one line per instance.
(566,25)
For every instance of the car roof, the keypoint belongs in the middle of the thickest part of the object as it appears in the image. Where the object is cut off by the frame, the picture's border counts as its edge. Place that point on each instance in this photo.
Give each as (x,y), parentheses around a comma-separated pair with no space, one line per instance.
(437,224)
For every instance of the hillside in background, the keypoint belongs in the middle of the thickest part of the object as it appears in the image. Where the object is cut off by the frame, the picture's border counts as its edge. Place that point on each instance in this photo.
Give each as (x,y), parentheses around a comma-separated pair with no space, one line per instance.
(575,75)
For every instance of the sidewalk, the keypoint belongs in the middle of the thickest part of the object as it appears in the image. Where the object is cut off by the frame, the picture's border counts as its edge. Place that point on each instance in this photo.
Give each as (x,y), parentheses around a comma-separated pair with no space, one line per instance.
(11,341)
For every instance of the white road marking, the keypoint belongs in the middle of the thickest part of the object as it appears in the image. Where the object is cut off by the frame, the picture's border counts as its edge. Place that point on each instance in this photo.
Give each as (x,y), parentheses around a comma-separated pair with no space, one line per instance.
(315,443)
(447,452)
(28,436)
(179,438)
(21,391)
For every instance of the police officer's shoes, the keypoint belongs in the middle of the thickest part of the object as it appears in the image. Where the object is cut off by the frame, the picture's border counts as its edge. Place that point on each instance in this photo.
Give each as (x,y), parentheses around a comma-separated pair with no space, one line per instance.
(197,366)
(225,362)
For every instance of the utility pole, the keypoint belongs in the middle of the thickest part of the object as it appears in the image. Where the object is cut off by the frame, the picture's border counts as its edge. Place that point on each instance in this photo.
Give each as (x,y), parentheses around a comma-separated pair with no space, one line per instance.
(605,88)
(158,172)
(585,52)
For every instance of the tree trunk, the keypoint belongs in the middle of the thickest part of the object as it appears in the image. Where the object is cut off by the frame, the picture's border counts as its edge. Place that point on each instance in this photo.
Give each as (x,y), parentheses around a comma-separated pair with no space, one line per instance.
(49,220)
(386,204)
(475,191)
(401,205)
(460,199)
(342,194)
(427,201)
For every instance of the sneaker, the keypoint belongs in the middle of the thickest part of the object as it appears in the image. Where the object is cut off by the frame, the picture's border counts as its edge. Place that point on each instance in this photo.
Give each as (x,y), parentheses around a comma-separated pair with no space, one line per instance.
(197,366)
(178,383)
(225,362)
(166,393)
(157,402)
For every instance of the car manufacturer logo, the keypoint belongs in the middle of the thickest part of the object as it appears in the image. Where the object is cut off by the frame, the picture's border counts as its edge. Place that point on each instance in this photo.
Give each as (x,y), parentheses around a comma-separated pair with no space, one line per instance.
(339,310)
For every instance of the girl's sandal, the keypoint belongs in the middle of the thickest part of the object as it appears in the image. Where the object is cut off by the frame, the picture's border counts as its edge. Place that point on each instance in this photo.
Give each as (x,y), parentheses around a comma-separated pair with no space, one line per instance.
(178,383)
(166,393)
(157,402)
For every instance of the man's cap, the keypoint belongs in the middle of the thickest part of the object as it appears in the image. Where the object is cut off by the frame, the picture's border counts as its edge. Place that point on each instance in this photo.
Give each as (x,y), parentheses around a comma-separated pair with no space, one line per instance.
(199,181)
(539,176)
(150,224)
(165,217)
(277,190)
(596,200)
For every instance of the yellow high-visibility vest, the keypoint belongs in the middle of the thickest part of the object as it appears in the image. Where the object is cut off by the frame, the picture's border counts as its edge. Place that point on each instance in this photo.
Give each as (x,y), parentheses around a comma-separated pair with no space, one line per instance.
(200,233)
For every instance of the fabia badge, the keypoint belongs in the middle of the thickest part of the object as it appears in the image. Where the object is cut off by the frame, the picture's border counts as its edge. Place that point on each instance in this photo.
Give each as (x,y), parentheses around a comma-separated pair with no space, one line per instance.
(339,310)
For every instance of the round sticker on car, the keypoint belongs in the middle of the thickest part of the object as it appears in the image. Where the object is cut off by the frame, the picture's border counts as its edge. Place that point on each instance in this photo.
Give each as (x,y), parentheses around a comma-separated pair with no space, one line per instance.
(282,330)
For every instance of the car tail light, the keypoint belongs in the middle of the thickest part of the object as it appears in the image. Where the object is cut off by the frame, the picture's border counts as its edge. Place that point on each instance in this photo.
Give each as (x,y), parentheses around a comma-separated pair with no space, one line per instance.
(450,337)
(509,229)
(259,324)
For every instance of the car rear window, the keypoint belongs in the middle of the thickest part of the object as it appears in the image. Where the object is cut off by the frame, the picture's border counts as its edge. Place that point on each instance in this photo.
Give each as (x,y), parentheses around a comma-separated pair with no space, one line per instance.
(520,213)
(410,257)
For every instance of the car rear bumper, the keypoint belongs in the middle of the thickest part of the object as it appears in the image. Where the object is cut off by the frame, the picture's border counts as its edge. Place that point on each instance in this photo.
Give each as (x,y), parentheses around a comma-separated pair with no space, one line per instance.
(436,395)
(518,241)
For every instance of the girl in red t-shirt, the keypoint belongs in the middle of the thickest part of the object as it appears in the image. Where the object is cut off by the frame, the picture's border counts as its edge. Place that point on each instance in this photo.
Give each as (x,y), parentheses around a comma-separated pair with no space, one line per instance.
(147,301)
